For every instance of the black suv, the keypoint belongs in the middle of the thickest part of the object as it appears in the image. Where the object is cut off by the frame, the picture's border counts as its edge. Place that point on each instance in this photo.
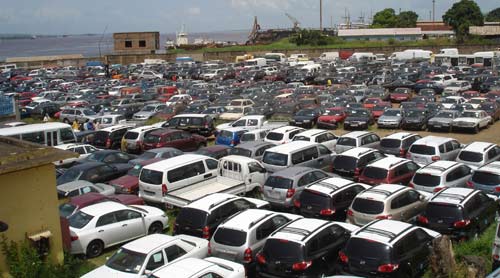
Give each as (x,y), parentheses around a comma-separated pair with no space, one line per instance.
(194,123)
(110,137)
(305,247)
(328,199)
(202,217)
(351,163)
(358,118)
(462,213)
(387,248)
(398,143)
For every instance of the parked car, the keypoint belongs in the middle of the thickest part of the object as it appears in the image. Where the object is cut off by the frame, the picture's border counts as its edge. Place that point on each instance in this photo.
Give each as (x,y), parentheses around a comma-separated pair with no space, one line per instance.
(95,172)
(328,199)
(215,151)
(391,118)
(206,268)
(69,115)
(254,135)
(109,157)
(415,119)
(285,186)
(243,235)
(321,136)
(461,213)
(493,110)
(433,148)
(149,111)
(283,135)
(486,178)
(303,248)
(438,175)
(202,217)
(118,223)
(389,170)
(80,201)
(110,137)
(230,136)
(442,120)
(358,118)
(351,163)
(147,254)
(398,143)
(80,187)
(162,153)
(173,138)
(331,118)
(388,248)
(132,141)
(129,183)
(194,123)
(306,118)
(474,120)
(387,201)
(355,139)
(84,150)
(253,150)
(477,154)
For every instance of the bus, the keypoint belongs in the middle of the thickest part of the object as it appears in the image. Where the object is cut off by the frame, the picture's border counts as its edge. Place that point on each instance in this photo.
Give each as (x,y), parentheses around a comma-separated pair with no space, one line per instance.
(48,134)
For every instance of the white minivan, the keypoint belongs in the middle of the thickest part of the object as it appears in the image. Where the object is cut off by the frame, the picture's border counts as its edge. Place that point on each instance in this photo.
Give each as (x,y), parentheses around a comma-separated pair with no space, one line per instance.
(156,179)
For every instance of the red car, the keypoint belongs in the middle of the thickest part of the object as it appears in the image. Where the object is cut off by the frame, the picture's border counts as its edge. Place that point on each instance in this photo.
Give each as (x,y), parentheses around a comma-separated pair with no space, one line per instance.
(129,184)
(379,109)
(370,102)
(78,202)
(331,118)
(178,139)
(391,170)
(399,97)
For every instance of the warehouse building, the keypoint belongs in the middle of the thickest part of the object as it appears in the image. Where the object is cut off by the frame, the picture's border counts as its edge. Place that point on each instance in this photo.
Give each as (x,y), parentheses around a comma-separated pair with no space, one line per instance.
(136,42)
(381,34)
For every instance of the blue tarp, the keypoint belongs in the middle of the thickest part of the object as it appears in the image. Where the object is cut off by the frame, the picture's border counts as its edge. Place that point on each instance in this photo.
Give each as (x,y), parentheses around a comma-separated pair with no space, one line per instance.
(94,64)
(6,106)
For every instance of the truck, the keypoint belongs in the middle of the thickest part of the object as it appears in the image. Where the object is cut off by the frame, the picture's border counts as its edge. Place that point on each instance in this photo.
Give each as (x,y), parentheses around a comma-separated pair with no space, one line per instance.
(252,122)
(329,56)
(235,175)
(411,54)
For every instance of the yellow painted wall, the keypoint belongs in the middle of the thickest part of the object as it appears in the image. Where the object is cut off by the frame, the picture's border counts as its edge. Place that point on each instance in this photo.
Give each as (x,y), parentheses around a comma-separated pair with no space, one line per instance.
(28,204)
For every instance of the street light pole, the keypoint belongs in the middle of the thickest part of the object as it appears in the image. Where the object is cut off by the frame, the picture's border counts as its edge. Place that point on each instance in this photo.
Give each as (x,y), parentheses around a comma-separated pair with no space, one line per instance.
(321,15)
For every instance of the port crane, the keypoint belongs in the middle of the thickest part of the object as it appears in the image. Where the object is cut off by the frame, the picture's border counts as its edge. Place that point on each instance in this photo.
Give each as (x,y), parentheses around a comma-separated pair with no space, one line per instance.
(296,23)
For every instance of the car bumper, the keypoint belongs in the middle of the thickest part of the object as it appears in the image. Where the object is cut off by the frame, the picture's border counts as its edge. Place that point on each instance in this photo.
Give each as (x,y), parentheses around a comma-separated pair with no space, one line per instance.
(355,125)
(388,125)
(326,125)
(412,125)
(438,126)
(301,123)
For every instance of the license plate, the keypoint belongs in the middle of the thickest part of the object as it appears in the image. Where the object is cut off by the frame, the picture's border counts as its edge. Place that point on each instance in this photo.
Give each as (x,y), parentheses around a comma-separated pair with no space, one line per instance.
(274,194)
(437,126)
(149,192)
(354,124)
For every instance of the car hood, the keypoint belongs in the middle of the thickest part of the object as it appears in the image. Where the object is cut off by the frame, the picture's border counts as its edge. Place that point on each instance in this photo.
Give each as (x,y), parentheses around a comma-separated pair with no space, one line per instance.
(412,119)
(107,272)
(350,118)
(389,118)
(441,120)
(470,120)
(301,118)
(151,210)
(126,181)
(223,126)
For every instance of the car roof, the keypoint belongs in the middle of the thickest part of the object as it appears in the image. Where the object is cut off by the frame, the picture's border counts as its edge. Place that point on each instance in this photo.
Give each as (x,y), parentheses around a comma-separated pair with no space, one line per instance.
(254,144)
(183,268)
(235,129)
(114,127)
(87,198)
(432,140)
(71,145)
(438,167)
(381,192)
(453,195)
(102,208)
(215,148)
(164,131)
(388,162)
(73,185)
(355,134)
(162,150)
(210,201)
(242,221)
(299,229)
(493,167)
(143,128)
(87,165)
(399,135)
(173,161)
(148,243)
(330,185)
(292,146)
(356,152)
(383,230)
(312,132)
(285,129)
(478,146)
(190,115)
(294,171)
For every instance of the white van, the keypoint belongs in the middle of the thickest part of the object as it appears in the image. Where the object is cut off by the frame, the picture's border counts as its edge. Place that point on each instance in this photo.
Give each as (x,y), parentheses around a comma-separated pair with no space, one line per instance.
(329,56)
(7,67)
(256,62)
(298,57)
(314,68)
(449,51)
(156,179)
(362,56)
(275,57)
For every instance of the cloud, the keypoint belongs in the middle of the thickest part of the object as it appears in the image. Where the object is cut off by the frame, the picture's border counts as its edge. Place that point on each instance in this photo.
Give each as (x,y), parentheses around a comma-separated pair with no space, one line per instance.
(267,4)
(194,11)
(56,14)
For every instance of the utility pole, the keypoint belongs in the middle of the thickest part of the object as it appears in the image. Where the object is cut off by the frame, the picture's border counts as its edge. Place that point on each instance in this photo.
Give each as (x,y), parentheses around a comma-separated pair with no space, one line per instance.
(433,11)
(321,15)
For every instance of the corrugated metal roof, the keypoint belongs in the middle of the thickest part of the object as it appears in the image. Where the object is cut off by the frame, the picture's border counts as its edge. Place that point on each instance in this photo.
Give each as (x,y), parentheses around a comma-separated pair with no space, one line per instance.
(380,32)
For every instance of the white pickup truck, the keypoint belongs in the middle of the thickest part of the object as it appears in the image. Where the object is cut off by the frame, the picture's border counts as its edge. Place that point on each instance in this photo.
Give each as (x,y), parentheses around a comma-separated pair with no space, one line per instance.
(252,122)
(235,175)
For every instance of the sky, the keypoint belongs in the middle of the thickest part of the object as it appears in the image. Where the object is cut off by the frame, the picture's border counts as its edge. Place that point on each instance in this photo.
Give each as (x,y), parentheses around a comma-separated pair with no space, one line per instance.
(167,16)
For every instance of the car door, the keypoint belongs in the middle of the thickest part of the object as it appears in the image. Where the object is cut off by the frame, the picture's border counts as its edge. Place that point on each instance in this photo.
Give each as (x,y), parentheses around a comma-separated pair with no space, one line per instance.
(108,229)
(132,223)
(155,261)
(325,158)
(256,173)
(343,200)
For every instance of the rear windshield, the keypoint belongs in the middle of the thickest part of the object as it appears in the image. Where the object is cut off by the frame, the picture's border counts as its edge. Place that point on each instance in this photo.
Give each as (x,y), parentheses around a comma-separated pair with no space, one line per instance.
(240,151)
(314,198)
(283,250)
(277,159)
(486,178)
(436,210)
(279,182)
(151,176)
(247,137)
(390,143)
(101,136)
(226,134)
(346,141)
(66,210)
(375,173)
(422,149)
(274,136)
(151,139)
(131,135)
(372,252)
(367,206)
(192,217)
(79,220)
(230,237)
(426,180)
(470,156)
(345,162)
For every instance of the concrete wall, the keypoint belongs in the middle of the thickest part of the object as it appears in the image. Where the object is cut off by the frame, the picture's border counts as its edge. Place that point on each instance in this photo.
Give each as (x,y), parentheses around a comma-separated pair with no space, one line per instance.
(29,205)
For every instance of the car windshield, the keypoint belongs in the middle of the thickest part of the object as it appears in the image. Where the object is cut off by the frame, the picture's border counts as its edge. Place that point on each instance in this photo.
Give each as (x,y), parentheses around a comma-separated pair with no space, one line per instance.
(375,173)
(151,176)
(415,113)
(79,220)
(379,108)
(390,143)
(89,112)
(422,149)
(367,206)
(135,171)
(447,115)
(358,113)
(148,109)
(230,237)
(226,134)
(316,199)
(426,180)
(235,110)
(125,260)
(392,113)
(107,120)
(469,114)
(66,210)
(486,178)
(449,100)
(148,155)
(343,162)
(131,135)
(247,137)
(283,250)
(301,138)
(69,176)
(279,182)
(241,151)
(97,156)
(305,113)
(275,136)
(333,113)
(470,156)
(277,159)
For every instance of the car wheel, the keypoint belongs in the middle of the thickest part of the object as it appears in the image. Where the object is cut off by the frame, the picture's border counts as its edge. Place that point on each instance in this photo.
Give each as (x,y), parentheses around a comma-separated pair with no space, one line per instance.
(66,121)
(95,248)
(476,129)
(424,126)
(155,228)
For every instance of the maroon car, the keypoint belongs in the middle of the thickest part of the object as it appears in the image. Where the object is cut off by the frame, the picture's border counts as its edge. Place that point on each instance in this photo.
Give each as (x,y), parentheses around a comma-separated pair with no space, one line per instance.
(178,139)
(379,109)
(78,202)
(129,184)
